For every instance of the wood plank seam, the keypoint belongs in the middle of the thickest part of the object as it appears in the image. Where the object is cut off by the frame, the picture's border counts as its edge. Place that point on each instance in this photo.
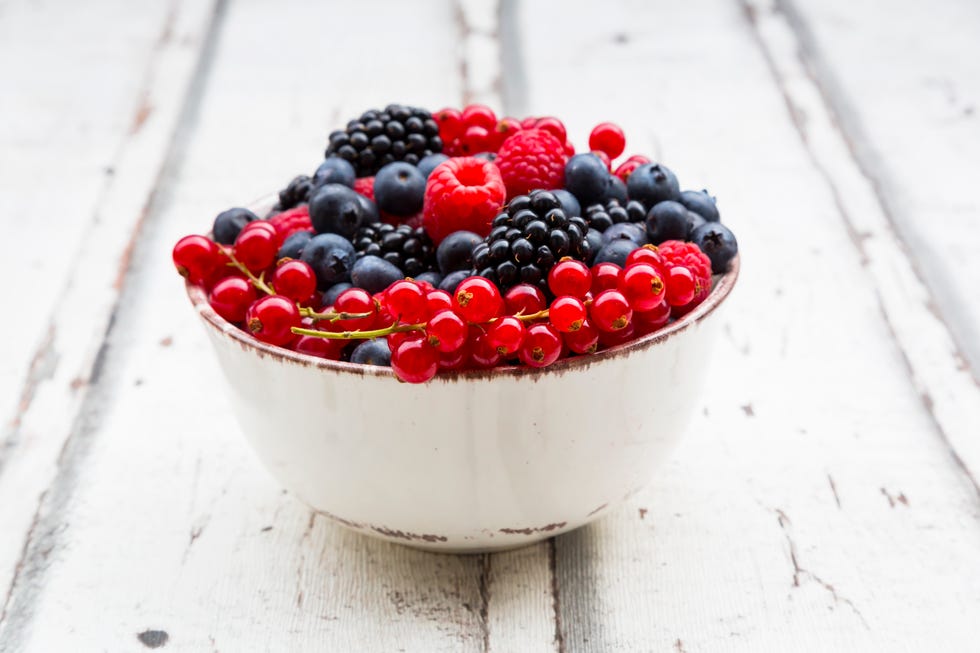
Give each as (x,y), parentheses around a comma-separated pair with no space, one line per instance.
(556,594)
(951,371)
(45,525)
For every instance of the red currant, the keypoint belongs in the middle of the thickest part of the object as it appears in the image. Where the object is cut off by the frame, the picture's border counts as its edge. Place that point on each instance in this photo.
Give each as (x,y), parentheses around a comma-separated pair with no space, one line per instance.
(438,299)
(570,277)
(482,352)
(477,300)
(604,158)
(414,361)
(295,279)
(197,258)
(356,300)
(554,126)
(642,285)
(605,276)
(626,168)
(398,337)
(681,286)
(542,346)
(506,335)
(647,254)
(446,331)
(585,340)
(505,128)
(450,123)
(613,338)
(271,318)
(454,360)
(610,311)
(328,348)
(567,313)
(650,321)
(609,138)
(569,149)
(476,140)
(478,115)
(257,245)
(524,299)
(231,297)
(406,302)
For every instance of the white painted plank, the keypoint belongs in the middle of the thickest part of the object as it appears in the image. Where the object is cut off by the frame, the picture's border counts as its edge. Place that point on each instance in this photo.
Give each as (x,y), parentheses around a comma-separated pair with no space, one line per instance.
(814,504)
(85,103)
(161,519)
(906,90)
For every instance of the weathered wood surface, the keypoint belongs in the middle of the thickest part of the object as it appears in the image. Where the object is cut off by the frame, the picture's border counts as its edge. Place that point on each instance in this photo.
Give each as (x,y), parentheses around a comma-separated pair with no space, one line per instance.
(825,497)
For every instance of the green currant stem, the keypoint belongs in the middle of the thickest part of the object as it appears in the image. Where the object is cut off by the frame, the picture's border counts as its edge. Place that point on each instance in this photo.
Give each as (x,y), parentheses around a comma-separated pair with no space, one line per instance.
(258,282)
(359,335)
(331,316)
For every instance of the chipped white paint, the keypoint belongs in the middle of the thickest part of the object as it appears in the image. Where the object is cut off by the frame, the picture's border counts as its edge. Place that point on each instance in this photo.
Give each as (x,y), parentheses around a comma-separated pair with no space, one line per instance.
(813,505)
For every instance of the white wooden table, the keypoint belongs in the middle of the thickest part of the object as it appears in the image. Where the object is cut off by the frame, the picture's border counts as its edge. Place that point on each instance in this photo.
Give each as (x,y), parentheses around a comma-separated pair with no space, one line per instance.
(825,498)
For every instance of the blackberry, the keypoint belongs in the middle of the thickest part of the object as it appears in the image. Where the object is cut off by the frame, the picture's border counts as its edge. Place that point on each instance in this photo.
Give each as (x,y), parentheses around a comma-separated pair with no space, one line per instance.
(296,193)
(602,216)
(409,249)
(527,239)
(399,133)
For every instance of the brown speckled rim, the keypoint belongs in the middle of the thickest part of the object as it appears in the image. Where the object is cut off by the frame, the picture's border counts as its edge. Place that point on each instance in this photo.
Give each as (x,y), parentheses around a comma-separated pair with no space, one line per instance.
(722,286)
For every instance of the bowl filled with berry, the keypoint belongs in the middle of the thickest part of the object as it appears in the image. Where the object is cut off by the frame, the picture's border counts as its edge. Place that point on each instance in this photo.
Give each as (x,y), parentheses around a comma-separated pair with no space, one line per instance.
(460,334)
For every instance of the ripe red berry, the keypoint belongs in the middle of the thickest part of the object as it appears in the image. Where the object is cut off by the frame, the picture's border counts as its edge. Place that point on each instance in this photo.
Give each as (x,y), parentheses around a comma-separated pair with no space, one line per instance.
(454,360)
(553,126)
(649,321)
(609,138)
(475,140)
(605,276)
(296,280)
(196,258)
(328,348)
(530,159)
(450,123)
(647,254)
(542,346)
(414,361)
(524,299)
(506,335)
(585,340)
(446,331)
(270,319)
(567,313)
(231,297)
(463,193)
(610,311)
(613,338)
(570,277)
(406,302)
(355,301)
(398,337)
(437,299)
(681,286)
(604,158)
(477,300)
(478,115)
(257,245)
(642,285)
(626,168)
(506,127)
(482,352)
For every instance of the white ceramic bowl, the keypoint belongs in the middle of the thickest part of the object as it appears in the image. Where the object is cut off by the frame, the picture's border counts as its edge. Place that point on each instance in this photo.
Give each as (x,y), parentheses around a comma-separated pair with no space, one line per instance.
(472,461)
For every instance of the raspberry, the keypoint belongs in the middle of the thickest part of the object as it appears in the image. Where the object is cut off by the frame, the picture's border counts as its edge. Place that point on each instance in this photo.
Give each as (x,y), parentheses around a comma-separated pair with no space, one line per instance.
(531,159)
(676,253)
(289,222)
(365,186)
(462,194)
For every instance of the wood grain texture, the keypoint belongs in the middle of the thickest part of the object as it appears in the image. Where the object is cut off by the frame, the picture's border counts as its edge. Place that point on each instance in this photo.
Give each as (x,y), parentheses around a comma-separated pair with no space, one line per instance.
(815,504)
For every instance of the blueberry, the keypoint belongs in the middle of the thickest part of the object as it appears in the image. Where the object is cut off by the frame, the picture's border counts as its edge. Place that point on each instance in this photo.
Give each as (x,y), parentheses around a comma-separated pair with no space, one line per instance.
(451,280)
(701,203)
(587,178)
(594,238)
(432,277)
(294,244)
(374,274)
(372,352)
(334,170)
(616,252)
(331,257)
(399,188)
(569,204)
(625,230)
(455,252)
(616,190)
(228,224)
(667,221)
(371,215)
(652,183)
(429,163)
(693,222)
(718,242)
(331,295)
(336,209)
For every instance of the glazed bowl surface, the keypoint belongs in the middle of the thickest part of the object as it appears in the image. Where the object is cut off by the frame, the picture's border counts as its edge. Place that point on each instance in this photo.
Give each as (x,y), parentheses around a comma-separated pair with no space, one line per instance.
(471,461)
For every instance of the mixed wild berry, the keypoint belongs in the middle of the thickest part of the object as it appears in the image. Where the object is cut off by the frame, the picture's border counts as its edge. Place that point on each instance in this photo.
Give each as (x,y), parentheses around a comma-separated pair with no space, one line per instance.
(457,240)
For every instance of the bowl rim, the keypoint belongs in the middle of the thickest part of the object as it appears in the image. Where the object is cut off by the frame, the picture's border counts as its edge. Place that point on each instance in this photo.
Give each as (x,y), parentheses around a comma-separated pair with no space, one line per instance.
(722,286)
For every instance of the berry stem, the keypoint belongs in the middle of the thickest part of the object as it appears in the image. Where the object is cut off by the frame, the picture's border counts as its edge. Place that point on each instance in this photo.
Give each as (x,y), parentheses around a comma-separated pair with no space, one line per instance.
(258,282)
(358,335)
(330,316)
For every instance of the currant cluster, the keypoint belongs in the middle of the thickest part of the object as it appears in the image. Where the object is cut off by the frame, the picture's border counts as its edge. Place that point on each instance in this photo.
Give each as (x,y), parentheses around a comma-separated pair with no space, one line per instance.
(459,240)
